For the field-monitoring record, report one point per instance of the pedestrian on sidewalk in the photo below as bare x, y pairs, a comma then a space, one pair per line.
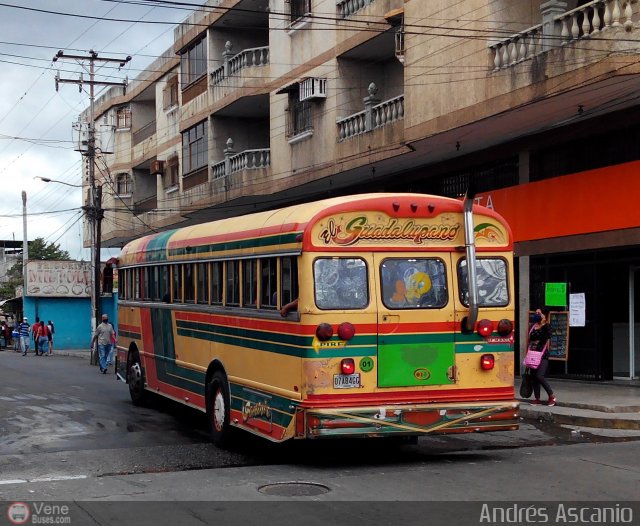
43, 339
34, 334
52, 329
24, 329
104, 334
539, 340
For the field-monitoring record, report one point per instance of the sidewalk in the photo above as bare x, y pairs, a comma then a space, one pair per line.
589, 405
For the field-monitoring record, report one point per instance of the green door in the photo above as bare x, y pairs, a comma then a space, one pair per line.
415, 340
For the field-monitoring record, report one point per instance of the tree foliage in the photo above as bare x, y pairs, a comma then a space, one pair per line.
38, 249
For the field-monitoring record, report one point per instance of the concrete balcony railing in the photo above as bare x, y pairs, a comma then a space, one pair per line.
145, 205
559, 28
375, 115
237, 162
346, 8
228, 77
143, 133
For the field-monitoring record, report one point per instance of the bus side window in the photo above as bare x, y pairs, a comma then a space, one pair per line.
288, 280
216, 283
203, 283
189, 286
176, 296
233, 283
250, 282
269, 283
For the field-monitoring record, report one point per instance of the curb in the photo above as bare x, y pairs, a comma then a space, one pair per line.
582, 417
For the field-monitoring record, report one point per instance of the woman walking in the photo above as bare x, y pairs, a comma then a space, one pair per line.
539, 339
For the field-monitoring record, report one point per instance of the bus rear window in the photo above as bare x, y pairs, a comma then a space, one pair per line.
340, 283
409, 283
493, 290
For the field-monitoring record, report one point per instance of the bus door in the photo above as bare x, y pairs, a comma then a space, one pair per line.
415, 320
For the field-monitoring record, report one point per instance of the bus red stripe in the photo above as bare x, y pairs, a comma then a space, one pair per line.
235, 236
409, 397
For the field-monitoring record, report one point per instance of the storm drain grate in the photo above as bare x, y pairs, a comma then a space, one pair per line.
294, 489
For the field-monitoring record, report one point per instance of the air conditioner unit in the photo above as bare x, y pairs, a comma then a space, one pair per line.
313, 88
157, 167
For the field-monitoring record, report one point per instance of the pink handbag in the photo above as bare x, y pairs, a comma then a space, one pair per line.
533, 358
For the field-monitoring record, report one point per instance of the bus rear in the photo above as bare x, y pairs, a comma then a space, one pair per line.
401, 345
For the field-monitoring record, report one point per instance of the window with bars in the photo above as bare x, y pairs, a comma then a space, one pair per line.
195, 148
123, 118
170, 93
193, 62
299, 9
123, 184
171, 172
299, 116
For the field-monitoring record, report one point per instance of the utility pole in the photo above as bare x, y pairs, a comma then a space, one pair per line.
93, 210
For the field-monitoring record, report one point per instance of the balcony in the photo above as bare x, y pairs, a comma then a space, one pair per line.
143, 133
598, 20
375, 115
238, 171
238, 70
346, 8
145, 205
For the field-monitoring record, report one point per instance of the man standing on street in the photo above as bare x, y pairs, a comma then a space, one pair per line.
104, 333
23, 330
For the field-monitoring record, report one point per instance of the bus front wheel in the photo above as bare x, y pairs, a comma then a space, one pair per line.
136, 383
218, 409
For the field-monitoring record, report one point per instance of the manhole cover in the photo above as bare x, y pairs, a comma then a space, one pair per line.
294, 489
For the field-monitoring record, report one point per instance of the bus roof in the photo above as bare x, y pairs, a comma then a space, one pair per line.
355, 222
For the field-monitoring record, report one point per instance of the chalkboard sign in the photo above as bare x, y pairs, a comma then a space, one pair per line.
559, 345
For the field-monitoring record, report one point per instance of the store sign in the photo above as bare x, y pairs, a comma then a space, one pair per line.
555, 294
59, 279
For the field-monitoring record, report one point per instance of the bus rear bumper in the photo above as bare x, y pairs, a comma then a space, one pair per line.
411, 419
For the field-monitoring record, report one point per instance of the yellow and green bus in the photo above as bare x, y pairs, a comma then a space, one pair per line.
388, 330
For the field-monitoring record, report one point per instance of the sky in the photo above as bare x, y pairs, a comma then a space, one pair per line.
36, 121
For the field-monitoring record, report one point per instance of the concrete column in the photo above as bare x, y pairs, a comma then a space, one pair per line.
523, 307
369, 103
551, 33
226, 56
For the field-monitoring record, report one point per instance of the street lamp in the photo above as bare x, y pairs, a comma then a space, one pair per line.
47, 180
94, 213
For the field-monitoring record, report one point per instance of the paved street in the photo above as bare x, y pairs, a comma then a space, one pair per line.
70, 433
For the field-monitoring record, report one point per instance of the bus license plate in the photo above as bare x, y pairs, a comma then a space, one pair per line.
346, 381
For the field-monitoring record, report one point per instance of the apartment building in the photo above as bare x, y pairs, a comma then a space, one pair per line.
261, 103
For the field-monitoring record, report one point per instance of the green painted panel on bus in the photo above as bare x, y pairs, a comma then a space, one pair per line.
413, 364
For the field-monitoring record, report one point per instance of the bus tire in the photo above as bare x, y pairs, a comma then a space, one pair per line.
135, 379
218, 409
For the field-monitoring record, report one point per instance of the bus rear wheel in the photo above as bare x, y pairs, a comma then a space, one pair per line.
136, 384
218, 409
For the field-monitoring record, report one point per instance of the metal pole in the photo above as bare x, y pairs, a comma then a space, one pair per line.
25, 247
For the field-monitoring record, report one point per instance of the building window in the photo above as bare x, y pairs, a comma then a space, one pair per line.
194, 148
193, 62
300, 9
170, 93
299, 117
123, 119
171, 173
123, 184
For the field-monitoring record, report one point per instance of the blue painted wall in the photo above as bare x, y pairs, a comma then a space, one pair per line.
71, 317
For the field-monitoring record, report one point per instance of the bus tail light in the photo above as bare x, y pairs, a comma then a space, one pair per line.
485, 328
348, 366
505, 327
487, 361
324, 332
346, 331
